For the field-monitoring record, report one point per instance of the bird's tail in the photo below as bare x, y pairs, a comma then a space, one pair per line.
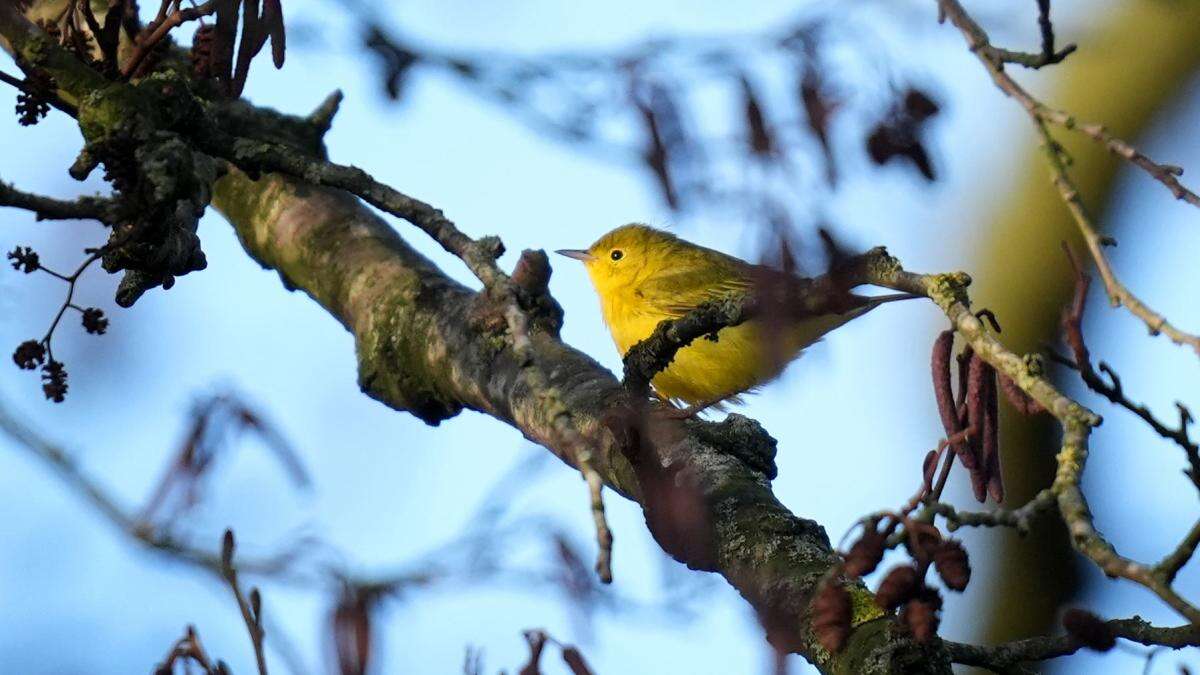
808, 331
866, 303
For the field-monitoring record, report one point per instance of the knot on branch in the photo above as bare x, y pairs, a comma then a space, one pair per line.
531, 279
162, 185
743, 438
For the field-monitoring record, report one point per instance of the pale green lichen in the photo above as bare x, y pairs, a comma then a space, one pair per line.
863, 607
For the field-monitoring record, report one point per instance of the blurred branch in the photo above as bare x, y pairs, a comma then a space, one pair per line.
537, 640
1043, 115
640, 103
69, 470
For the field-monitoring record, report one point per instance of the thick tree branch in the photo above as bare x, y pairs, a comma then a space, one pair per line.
423, 348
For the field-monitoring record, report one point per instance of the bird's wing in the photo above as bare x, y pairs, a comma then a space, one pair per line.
676, 293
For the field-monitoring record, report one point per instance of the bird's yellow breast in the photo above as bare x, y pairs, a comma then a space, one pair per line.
741, 358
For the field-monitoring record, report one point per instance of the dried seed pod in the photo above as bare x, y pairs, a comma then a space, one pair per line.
977, 373
29, 354
865, 554
921, 618
1024, 403
762, 143
351, 623
928, 467
575, 662
1090, 630
831, 616
991, 438
900, 584
940, 366
952, 564
54, 381
94, 321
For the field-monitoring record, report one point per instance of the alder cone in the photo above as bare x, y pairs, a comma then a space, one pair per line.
952, 564
831, 616
1090, 630
897, 587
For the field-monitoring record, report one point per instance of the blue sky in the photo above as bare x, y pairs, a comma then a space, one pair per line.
78, 597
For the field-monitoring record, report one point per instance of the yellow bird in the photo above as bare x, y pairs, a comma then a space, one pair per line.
644, 276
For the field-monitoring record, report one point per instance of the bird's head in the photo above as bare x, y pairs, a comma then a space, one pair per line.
625, 255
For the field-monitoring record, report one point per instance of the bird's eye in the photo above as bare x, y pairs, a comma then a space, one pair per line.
617, 254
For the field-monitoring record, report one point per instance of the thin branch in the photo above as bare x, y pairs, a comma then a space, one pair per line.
1004, 657
1018, 519
185, 649
162, 27
1072, 324
1048, 56
251, 608
1174, 561
948, 291
978, 41
1042, 115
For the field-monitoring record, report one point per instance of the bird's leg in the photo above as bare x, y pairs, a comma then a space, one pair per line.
693, 409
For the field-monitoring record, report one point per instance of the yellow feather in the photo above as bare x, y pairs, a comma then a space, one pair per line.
643, 276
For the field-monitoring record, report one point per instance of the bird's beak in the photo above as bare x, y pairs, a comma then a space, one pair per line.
575, 253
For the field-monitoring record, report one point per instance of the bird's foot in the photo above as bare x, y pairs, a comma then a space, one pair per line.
692, 410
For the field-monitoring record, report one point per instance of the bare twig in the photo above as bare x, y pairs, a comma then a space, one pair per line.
977, 40
188, 648
1072, 324
251, 608
1003, 658
1018, 519
48, 208
1174, 561
948, 291
163, 25
1048, 56
1042, 115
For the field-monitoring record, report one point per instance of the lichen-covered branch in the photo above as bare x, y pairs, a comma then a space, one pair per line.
1005, 657
1076, 422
